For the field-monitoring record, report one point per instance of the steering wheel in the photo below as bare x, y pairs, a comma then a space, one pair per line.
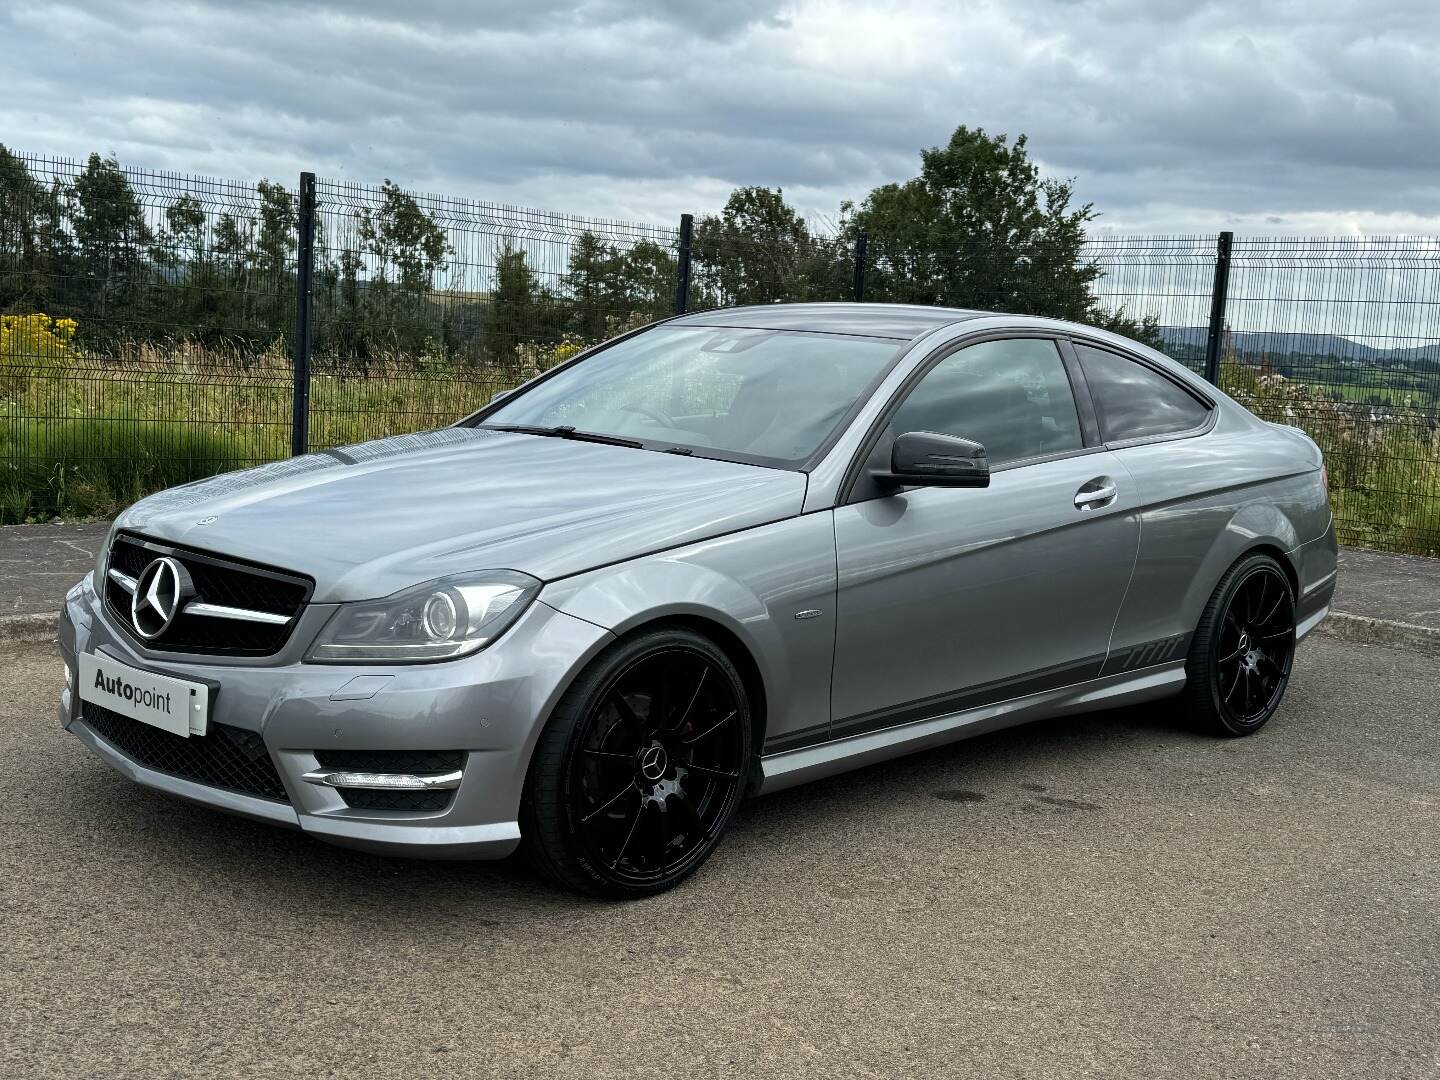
653, 413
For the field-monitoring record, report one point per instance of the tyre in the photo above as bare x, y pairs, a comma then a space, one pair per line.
640, 768
1240, 658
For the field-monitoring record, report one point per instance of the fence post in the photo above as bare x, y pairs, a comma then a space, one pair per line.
682, 271
862, 242
1218, 295
304, 289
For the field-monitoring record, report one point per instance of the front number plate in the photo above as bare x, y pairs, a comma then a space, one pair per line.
175, 705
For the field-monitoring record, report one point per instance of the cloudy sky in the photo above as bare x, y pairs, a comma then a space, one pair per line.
1264, 116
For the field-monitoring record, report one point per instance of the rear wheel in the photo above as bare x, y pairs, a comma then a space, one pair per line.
1240, 657
640, 769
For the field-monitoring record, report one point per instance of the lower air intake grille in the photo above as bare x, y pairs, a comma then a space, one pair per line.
225, 757
366, 799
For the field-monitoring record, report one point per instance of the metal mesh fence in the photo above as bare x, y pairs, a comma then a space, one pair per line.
426, 305
143, 335
1166, 278
149, 322
1339, 336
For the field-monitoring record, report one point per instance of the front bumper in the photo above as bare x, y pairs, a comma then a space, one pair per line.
491, 706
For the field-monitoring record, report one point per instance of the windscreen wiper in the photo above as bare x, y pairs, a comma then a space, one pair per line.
566, 431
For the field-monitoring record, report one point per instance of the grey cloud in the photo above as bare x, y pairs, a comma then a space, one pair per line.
710, 19
1170, 114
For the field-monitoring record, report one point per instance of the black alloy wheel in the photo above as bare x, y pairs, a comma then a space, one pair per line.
1241, 656
641, 768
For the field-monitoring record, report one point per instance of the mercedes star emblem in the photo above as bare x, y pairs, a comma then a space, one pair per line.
160, 593
653, 763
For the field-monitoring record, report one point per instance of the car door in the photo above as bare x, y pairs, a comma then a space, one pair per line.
950, 598
1153, 424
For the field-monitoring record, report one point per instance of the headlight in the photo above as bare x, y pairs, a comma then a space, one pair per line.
439, 620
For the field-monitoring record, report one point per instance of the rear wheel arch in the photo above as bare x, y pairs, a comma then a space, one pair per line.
1281, 556
1270, 639
1254, 529
1204, 585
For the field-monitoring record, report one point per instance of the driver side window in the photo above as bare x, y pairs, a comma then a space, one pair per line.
1012, 396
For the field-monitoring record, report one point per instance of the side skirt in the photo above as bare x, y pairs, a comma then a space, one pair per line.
779, 771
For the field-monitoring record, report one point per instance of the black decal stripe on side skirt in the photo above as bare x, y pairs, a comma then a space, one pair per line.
1146, 654
972, 697
794, 740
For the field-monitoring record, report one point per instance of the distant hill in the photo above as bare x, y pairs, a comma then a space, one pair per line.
1190, 340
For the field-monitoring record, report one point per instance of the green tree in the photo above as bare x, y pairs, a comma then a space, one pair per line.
1145, 329
111, 238
185, 227
645, 281
407, 249
979, 227
276, 237
607, 286
592, 286
758, 250
411, 248
198, 306
233, 238
515, 306
31, 237
339, 316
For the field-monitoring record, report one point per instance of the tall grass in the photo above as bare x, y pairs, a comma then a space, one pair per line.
1383, 461
82, 436
93, 466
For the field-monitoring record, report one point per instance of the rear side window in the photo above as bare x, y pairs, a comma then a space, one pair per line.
1134, 402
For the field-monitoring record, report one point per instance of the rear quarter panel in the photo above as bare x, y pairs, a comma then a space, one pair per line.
1204, 502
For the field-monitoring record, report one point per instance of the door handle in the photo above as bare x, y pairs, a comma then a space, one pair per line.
1097, 492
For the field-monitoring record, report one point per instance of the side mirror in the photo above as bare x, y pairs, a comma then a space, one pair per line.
930, 459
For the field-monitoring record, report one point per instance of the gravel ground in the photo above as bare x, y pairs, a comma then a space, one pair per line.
1109, 896
38, 563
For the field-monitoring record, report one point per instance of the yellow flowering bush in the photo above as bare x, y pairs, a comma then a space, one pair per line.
35, 340
566, 349
533, 357
29, 346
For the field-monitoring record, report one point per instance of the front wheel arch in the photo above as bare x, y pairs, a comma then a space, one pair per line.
734, 648
739, 654
552, 838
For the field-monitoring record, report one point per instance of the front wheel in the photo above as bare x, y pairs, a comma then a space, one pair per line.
1240, 657
640, 768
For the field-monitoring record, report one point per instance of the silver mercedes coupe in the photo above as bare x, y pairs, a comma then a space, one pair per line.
722, 555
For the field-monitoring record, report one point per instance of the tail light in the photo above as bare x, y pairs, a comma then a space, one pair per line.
1325, 480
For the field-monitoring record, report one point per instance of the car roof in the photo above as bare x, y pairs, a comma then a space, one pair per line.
902, 322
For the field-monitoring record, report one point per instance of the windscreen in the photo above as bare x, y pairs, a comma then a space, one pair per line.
770, 395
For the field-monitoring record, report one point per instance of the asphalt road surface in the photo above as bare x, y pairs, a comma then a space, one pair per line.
1109, 896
